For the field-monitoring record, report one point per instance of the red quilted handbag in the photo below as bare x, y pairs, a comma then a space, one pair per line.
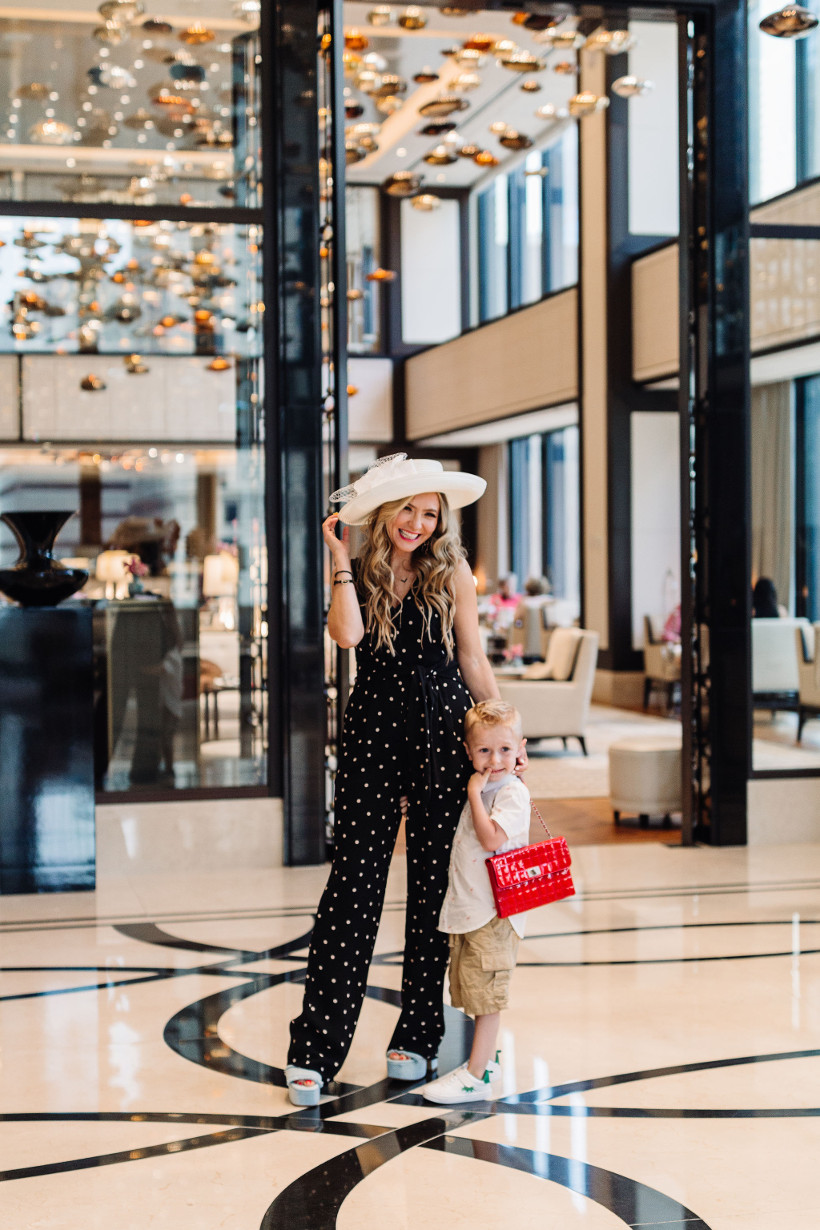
532, 875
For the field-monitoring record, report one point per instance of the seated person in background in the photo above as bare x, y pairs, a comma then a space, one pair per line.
764, 600
529, 617
504, 601
671, 629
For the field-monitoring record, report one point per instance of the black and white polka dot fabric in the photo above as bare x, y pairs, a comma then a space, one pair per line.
403, 732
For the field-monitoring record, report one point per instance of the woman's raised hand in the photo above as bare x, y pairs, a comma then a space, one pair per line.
337, 548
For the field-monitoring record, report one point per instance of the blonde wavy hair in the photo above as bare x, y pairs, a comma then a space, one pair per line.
435, 562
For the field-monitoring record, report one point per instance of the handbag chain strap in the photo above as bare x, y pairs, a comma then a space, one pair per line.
543, 821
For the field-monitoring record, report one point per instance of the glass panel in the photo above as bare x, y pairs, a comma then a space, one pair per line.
562, 211
494, 249
532, 228
141, 112
772, 111
785, 289
808, 460
363, 245
808, 70
180, 639
563, 518
107, 286
136, 387
654, 207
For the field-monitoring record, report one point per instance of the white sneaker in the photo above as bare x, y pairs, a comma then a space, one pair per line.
457, 1087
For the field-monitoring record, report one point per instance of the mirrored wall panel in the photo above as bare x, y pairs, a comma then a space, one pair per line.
112, 102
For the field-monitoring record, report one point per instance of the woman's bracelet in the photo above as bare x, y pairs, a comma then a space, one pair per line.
338, 572
343, 582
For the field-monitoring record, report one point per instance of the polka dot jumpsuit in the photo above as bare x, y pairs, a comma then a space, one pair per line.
403, 731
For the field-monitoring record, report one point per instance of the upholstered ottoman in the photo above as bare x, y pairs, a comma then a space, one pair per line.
645, 777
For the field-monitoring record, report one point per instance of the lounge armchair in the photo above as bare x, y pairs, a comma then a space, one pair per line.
553, 696
775, 679
806, 642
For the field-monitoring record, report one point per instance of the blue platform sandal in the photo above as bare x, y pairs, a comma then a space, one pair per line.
408, 1066
304, 1085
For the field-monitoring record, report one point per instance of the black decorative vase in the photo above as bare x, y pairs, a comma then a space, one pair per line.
38, 579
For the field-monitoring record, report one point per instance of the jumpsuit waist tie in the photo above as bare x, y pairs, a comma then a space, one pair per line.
430, 678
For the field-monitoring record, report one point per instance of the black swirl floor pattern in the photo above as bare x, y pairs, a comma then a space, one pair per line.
556, 1131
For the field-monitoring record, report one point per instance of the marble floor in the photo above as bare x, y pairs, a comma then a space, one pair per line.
661, 1060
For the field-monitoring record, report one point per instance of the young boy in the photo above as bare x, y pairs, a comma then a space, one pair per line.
483, 947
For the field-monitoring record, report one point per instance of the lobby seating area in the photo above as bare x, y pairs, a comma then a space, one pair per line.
553, 696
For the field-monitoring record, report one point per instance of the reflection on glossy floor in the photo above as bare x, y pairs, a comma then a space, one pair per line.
661, 1062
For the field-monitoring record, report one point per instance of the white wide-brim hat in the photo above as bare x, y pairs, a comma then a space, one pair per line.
399, 477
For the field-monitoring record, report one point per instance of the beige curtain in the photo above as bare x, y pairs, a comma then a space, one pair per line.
772, 487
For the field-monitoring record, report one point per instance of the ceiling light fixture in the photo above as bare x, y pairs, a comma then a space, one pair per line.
381, 15
197, 35
612, 42
480, 42
443, 106
389, 84
465, 82
425, 76
402, 183
121, 10
521, 62
468, 57
631, 87
51, 132
412, 18
549, 111
537, 21
389, 105
561, 40
111, 33
356, 41
426, 202
790, 22
437, 128
587, 103
513, 139
440, 156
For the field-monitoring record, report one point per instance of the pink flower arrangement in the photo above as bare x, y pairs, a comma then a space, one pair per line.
513, 652
136, 568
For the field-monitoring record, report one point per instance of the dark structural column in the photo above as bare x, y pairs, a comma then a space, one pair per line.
715, 445
294, 423
46, 750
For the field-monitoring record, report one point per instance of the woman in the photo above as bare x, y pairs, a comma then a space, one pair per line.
764, 600
408, 604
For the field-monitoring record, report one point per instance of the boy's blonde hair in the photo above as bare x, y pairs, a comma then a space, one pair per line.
492, 713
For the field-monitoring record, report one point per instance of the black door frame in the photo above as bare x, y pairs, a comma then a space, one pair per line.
713, 404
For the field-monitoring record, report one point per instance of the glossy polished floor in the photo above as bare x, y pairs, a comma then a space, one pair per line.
661, 1062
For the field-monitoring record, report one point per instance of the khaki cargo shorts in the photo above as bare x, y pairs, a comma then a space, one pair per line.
481, 963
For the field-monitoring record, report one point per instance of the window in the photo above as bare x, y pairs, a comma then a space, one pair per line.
807, 459
528, 229
562, 503
545, 511
772, 110
132, 373
494, 250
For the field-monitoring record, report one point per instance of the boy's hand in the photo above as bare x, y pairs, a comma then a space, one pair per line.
478, 780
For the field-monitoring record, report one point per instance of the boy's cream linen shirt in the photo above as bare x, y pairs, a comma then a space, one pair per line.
469, 902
